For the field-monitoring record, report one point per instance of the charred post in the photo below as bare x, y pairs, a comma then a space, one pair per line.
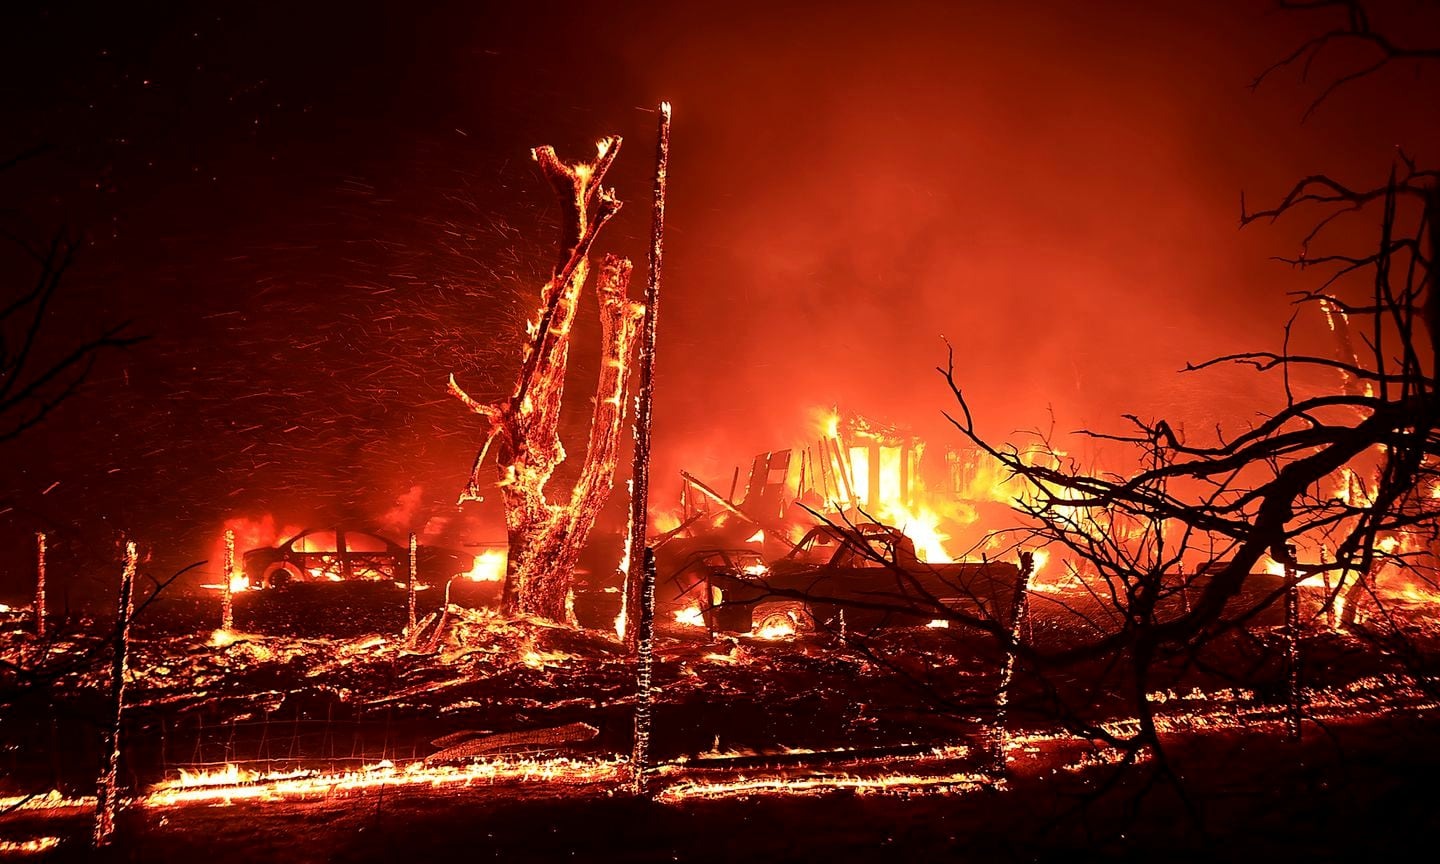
1020, 604
40, 584
410, 591
1293, 706
106, 792
644, 673
640, 487
227, 598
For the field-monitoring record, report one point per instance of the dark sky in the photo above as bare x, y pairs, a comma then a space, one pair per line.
316, 211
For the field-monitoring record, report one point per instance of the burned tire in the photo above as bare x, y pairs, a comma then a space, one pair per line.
281, 575
781, 618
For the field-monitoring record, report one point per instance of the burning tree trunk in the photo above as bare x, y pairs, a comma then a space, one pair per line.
546, 538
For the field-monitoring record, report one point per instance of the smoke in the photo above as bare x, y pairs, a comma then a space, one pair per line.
845, 191
404, 517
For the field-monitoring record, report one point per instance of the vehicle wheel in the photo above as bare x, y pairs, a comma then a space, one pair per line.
281, 575
781, 618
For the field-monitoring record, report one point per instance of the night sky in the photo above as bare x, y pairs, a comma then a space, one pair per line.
315, 212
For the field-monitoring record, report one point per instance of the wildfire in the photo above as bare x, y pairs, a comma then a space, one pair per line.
489, 566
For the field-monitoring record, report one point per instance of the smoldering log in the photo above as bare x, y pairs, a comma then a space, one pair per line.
463, 745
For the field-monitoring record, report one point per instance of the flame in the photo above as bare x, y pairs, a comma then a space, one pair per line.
827, 422
776, 629
28, 847
939, 624
921, 525
223, 638
233, 783
665, 521
53, 800
489, 566
757, 537
690, 616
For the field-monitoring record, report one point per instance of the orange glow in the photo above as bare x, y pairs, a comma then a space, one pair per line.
489, 566
664, 521
690, 616
776, 628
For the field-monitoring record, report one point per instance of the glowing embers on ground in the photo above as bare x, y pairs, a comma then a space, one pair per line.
53, 800
34, 846
233, 783
938, 769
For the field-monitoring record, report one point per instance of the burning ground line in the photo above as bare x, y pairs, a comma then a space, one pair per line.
813, 781
220, 788
889, 784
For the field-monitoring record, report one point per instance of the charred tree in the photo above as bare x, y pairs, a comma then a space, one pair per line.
546, 536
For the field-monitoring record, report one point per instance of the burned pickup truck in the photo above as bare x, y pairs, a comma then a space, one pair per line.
862, 576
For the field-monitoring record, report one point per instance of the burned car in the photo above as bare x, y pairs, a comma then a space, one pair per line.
868, 575
716, 587
865, 575
341, 555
